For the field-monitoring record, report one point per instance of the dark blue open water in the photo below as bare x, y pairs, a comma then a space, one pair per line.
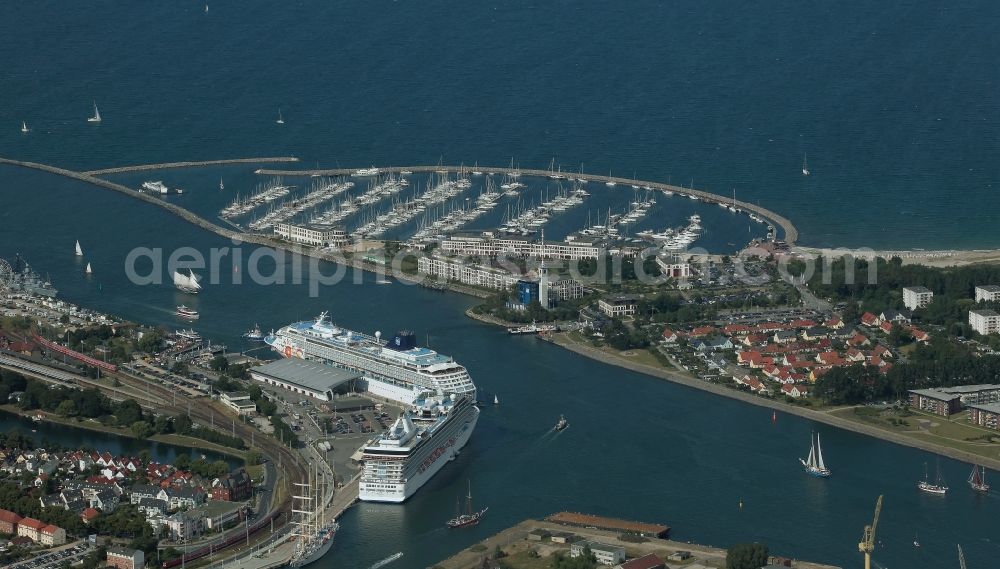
895, 103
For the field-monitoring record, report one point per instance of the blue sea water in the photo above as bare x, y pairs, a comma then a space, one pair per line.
894, 102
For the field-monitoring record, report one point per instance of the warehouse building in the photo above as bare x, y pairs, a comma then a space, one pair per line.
306, 378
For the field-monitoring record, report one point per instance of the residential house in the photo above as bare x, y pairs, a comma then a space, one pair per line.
650, 561
124, 558
605, 554
233, 487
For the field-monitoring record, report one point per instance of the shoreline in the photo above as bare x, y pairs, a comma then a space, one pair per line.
93, 426
805, 413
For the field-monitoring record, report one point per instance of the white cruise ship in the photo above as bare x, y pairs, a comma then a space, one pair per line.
422, 440
398, 370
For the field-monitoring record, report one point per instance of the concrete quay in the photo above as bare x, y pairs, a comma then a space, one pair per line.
191, 164
791, 234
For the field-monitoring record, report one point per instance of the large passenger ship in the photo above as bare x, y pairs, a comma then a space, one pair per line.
422, 440
398, 369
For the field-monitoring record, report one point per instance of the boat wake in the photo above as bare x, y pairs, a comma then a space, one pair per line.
387, 560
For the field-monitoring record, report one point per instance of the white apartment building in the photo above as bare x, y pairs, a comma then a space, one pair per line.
987, 293
915, 297
984, 321
316, 234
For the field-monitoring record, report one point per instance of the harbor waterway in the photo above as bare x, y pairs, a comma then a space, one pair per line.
637, 447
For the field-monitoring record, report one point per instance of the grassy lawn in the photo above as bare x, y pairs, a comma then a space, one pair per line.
518, 558
953, 432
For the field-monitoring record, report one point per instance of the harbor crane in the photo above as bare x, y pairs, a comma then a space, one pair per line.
867, 544
961, 557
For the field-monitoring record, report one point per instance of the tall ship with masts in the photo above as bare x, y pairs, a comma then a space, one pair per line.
937, 487
814, 464
313, 532
398, 369
468, 518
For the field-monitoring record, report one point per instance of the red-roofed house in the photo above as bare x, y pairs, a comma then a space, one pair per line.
834, 323
855, 355
702, 331
881, 351
795, 391
669, 336
756, 339
8, 522
920, 336
30, 528
736, 329
89, 515
830, 358
52, 535
885, 327
869, 319
770, 327
858, 340
803, 324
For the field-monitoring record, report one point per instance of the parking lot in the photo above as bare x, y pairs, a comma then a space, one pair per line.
53, 559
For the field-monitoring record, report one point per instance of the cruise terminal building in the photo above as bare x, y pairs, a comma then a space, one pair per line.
306, 378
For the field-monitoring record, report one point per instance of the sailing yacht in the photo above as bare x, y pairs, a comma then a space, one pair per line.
88, 270
977, 480
496, 399
24, 127
186, 283
79, 250
97, 114
805, 166
814, 463
469, 518
280, 119
937, 488
221, 185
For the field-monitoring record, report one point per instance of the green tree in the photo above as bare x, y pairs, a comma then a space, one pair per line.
183, 461
67, 408
141, 430
219, 363
746, 556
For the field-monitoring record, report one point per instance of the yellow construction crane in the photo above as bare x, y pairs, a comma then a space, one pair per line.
867, 545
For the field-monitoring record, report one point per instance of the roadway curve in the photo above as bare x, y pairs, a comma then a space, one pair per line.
191, 164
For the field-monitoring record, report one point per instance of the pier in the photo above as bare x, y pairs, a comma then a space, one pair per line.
791, 234
190, 164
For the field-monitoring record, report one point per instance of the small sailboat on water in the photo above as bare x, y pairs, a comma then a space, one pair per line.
88, 270
977, 480
937, 487
814, 464
97, 114
24, 127
79, 250
221, 185
496, 399
280, 120
805, 166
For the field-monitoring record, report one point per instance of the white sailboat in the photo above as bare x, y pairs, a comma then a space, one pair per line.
280, 119
88, 270
496, 399
97, 114
221, 185
79, 250
814, 464
24, 127
187, 283
805, 166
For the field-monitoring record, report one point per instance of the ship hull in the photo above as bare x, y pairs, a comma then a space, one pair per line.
314, 556
370, 493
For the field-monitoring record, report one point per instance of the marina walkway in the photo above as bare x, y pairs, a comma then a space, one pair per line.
791, 234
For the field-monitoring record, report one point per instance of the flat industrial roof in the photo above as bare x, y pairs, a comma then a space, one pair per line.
305, 373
